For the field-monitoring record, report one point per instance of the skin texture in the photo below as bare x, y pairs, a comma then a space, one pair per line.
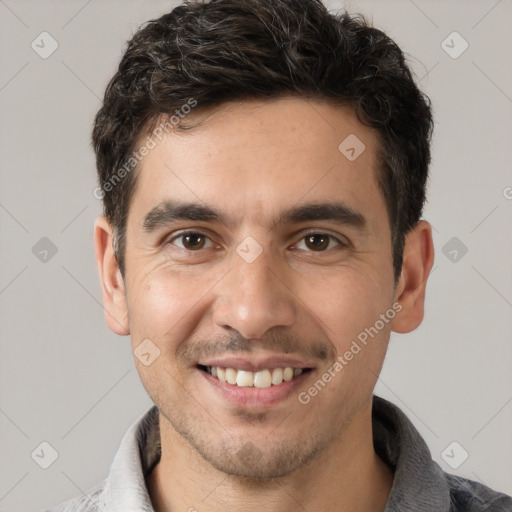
253, 160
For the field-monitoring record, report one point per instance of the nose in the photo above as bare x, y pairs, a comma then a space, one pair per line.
254, 298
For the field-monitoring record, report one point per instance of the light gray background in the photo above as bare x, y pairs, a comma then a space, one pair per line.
65, 379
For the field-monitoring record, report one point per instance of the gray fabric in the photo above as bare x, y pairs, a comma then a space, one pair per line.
419, 485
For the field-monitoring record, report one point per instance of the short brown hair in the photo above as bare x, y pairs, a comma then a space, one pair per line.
228, 50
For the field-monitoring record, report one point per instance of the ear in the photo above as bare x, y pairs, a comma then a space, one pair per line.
410, 291
112, 284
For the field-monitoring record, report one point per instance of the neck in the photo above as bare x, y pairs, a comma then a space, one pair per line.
349, 474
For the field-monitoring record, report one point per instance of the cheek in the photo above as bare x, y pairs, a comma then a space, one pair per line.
347, 303
161, 306
350, 311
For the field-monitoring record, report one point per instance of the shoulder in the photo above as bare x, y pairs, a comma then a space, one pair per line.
469, 496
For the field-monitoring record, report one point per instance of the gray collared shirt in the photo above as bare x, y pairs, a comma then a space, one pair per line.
419, 484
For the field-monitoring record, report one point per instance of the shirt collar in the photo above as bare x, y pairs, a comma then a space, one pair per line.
419, 483
139, 452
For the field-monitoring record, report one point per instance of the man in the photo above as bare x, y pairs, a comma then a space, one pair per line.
262, 165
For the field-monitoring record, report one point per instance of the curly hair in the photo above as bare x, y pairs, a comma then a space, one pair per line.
225, 50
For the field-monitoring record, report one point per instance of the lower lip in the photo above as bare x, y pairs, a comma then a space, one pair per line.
255, 397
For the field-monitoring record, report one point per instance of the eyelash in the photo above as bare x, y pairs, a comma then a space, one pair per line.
340, 243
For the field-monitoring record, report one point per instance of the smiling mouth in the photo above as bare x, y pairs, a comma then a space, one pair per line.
261, 379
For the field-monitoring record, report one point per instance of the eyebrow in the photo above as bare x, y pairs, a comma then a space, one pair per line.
171, 211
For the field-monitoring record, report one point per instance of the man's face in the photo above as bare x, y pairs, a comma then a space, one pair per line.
259, 289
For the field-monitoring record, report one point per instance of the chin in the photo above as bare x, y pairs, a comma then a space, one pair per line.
260, 461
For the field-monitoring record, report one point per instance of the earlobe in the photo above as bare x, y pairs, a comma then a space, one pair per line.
112, 283
410, 291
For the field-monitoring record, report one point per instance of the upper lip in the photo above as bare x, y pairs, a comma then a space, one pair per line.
256, 363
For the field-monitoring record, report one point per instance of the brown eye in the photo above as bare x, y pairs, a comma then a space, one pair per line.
194, 241
319, 242
191, 241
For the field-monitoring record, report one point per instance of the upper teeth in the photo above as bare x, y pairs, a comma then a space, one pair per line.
259, 379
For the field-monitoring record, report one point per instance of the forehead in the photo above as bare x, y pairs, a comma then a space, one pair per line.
253, 158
